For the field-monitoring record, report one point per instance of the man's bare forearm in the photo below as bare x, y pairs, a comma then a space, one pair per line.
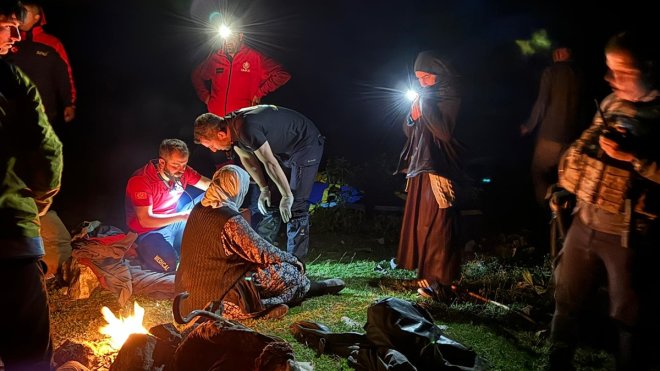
276, 173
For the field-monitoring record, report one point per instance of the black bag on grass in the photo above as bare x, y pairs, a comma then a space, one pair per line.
399, 336
410, 329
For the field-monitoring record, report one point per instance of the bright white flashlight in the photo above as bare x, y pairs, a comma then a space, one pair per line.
224, 31
411, 95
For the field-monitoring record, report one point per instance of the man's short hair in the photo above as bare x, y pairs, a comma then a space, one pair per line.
168, 146
12, 7
646, 58
207, 125
34, 7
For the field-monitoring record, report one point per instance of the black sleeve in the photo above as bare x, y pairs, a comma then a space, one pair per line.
62, 82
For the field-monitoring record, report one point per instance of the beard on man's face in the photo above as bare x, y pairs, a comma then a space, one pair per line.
173, 176
232, 44
230, 48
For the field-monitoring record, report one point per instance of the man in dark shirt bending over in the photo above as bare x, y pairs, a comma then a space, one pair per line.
276, 137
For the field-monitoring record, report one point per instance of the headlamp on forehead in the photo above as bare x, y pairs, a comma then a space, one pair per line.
224, 31
225, 26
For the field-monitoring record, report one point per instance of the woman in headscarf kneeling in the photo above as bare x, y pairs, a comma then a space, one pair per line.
223, 260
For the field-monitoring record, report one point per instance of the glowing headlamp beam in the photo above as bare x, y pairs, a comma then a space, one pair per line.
224, 31
411, 95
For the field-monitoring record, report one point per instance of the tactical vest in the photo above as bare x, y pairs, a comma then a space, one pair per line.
595, 178
594, 181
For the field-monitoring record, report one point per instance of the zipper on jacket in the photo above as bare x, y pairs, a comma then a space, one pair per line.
231, 69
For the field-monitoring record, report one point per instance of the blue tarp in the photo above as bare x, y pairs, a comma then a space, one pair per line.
329, 195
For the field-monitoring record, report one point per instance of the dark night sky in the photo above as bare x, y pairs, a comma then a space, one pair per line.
132, 62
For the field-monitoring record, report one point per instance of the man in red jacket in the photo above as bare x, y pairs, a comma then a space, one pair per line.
234, 77
239, 77
32, 31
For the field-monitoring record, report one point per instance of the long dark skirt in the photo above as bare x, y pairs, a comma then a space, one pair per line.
428, 235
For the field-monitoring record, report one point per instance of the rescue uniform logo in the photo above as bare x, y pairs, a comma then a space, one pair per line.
162, 263
140, 195
245, 67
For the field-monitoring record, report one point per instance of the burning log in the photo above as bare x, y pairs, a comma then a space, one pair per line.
120, 328
144, 352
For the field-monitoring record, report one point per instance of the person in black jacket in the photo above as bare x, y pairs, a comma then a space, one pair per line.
49, 72
32, 29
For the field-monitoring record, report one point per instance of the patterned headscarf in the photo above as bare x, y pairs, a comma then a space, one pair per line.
228, 188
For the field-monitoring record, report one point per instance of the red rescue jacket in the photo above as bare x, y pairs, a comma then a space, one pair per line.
236, 81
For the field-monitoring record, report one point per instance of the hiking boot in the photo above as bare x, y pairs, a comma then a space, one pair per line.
434, 292
332, 286
325, 287
275, 312
426, 292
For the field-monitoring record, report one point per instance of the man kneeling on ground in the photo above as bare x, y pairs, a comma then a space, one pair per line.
222, 257
153, 207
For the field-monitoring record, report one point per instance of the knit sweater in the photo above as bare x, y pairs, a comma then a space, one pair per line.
219, 247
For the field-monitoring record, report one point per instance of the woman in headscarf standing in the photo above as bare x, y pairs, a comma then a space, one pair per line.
431, 161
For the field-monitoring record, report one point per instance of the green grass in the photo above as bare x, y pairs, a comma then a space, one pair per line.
503, 339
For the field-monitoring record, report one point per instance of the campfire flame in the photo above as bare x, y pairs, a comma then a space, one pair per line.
118, 329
